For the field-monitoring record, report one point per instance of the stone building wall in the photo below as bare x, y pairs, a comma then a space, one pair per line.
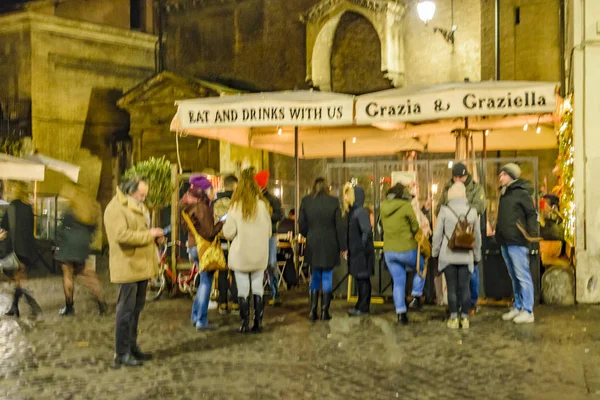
529, 49
74, 72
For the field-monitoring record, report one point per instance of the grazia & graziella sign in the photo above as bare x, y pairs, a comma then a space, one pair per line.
458, 100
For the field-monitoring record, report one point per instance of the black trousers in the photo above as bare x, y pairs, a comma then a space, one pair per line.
364, 294
225, 286
458, 278
132, 297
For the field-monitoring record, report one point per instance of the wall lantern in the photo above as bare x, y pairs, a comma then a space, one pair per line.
426, 10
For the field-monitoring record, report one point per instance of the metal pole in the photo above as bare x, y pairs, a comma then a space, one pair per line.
297, 184
497, 38
561, 38
296, 200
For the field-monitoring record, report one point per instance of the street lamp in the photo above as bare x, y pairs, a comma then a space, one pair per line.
426, 10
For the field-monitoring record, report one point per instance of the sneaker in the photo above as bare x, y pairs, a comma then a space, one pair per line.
464, 323
223, 309
275, 302
524, 317
452, 323
512, 314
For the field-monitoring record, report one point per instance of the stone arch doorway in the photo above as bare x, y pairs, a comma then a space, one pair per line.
356, 57
322, 23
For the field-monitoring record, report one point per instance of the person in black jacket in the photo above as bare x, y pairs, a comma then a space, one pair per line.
517, 207
17, 232
361, 253
321, 224
262, 178
74, 240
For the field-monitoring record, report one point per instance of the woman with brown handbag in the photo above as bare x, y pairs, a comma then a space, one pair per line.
196, 203
248, 227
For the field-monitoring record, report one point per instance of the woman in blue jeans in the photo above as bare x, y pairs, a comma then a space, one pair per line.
321, 224
197, 204
400, 225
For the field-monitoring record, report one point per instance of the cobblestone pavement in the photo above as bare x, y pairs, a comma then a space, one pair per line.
369, 358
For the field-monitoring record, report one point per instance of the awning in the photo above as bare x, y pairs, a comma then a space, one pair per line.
69, 170
456, 100
20, 169
291, 108
33, 168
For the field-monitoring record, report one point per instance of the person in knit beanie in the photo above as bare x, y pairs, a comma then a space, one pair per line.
262, 179
516, 212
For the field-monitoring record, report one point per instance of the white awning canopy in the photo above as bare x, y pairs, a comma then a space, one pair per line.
294, 108
33, 168
456, 100
265, 120
20, 169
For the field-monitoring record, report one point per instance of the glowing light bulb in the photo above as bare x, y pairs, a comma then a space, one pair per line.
526, 126
538, 130
353, 140
487, 132
279, 131
450, 164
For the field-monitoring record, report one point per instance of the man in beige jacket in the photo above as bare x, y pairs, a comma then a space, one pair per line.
133, 261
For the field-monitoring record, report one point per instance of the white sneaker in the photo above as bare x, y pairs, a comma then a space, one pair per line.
524, 317
512, 314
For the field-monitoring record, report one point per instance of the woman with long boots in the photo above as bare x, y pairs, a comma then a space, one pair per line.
17, 235
321, 224
248, 227
74, 240
361, 253
400, 225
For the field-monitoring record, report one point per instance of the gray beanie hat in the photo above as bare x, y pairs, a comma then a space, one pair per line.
512, 170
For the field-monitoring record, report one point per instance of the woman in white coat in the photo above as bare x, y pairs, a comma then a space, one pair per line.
248, 227
458, 264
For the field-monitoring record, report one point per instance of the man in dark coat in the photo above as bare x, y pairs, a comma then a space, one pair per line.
517, 208
321, 224
262, 179
361, 253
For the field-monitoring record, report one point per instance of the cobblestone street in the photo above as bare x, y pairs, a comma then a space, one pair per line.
370, 358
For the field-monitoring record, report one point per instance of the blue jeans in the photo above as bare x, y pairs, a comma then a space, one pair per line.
397, 264
517, 263
474, 286
320, 276
199, 315
272, 267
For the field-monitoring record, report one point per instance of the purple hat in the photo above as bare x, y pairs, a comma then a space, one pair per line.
200, 181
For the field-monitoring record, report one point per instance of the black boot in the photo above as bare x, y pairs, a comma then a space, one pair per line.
140, 355
403, 319
416, 303
35, 307
314, 305
127, 360
325, 302
259, 307
67, 310
13, 311
244, 315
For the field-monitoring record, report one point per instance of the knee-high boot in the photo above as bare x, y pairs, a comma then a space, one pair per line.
325, 303
244, 314
258, 313
314, 305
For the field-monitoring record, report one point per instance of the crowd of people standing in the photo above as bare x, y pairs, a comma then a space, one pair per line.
243, 221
